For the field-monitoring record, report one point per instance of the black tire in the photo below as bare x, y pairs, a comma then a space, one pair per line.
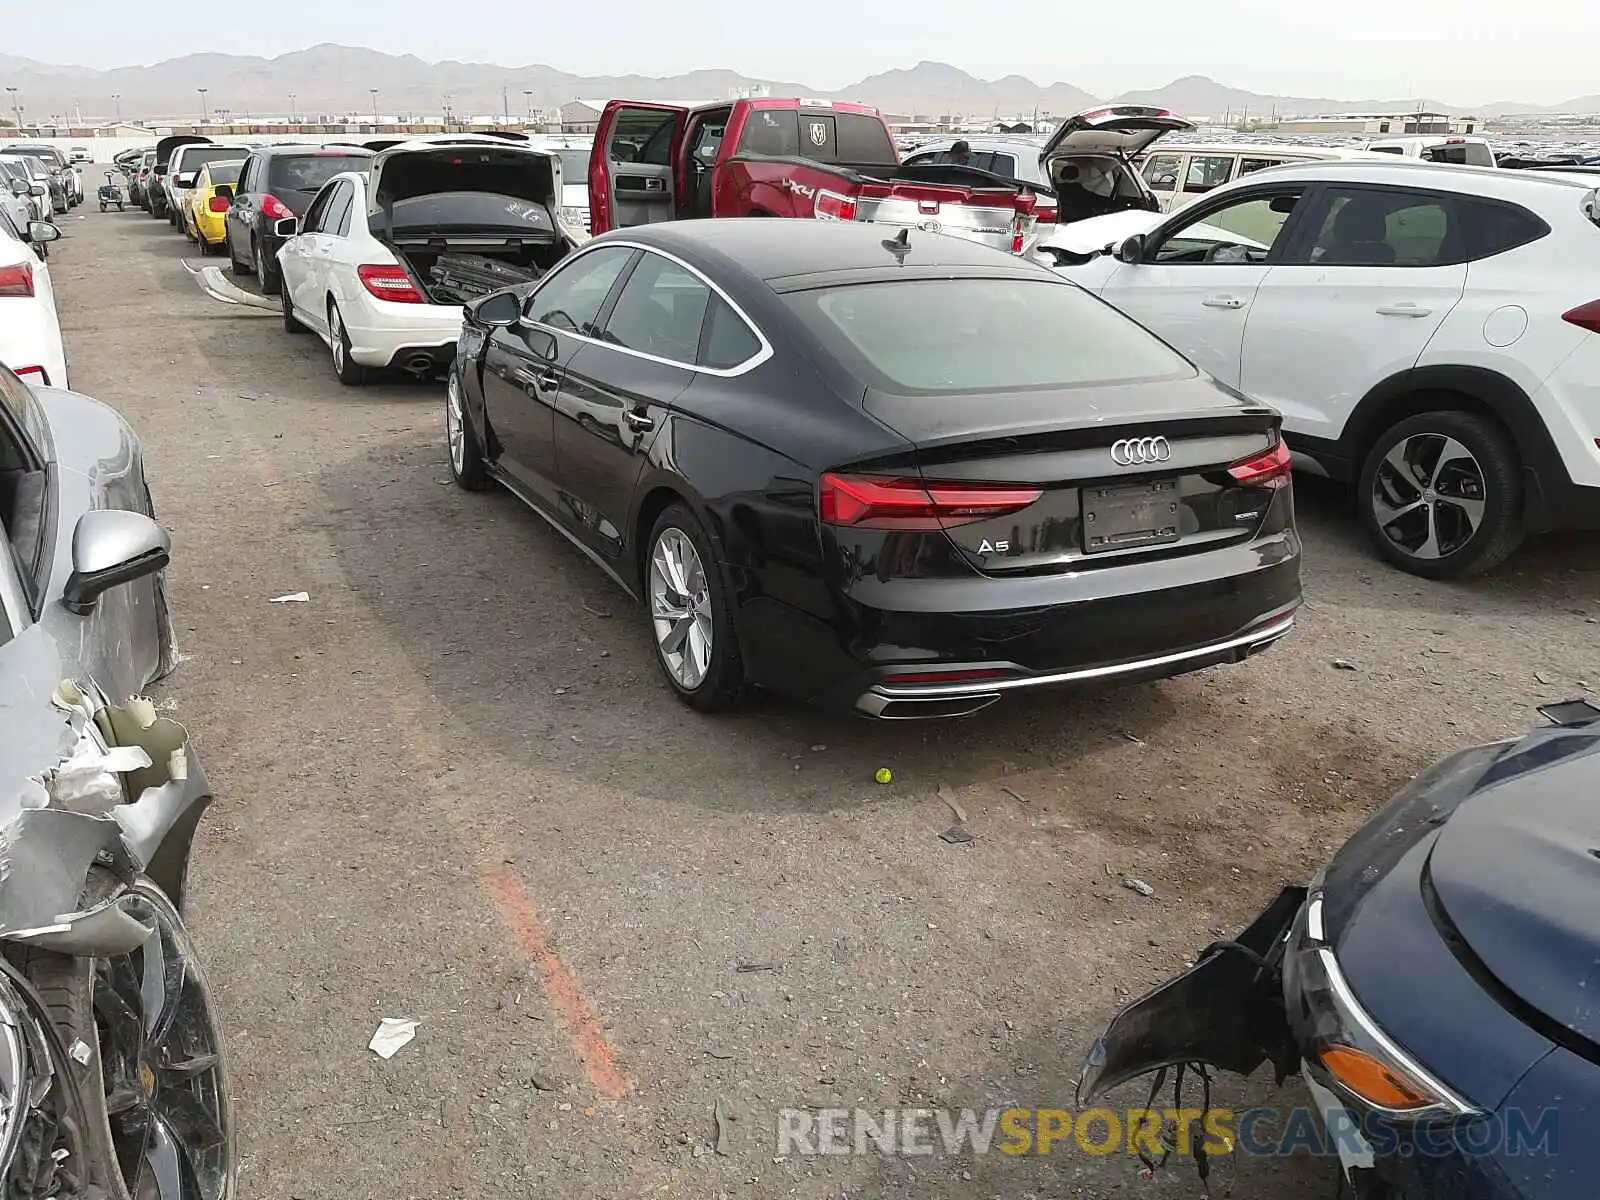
1435, 538
349, 372
291, 323
723, 681
472, 472
67, 987
266, 274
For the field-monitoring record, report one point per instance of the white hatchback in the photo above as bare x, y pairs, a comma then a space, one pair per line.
1430, 335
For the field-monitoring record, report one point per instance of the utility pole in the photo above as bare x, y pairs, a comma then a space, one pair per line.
374, 92
116, 100
15, 107
505, 103
204, 115
528, 93
294, 117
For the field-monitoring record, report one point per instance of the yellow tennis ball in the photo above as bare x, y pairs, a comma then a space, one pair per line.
884, 775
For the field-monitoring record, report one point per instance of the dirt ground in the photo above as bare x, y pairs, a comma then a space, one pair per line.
452, 788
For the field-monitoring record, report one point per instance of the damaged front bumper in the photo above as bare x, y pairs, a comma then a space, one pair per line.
127, 799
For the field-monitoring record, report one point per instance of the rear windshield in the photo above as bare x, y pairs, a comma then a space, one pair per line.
820, 134
980, 335
225, 172
1464, 154
308, 172
195, 156
574, 166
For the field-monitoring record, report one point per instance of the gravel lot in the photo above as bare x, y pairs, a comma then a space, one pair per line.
451, 787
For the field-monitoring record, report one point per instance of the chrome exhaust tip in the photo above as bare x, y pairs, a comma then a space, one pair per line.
420, 364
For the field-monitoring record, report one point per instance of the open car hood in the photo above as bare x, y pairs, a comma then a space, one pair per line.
1126, 129
422, 168
1516, 873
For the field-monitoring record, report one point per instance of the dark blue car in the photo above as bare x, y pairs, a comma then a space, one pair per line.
1437, 984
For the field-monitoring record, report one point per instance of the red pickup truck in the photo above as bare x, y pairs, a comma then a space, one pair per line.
791, 158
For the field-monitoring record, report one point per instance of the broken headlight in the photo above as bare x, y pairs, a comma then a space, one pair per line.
1343, 1047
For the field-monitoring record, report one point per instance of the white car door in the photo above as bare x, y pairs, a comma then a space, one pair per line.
1196, 279
1367, 283
344, 230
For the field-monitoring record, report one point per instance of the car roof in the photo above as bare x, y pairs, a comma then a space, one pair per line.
979, 141
766, 250
283, 149
1317, 153
1412, 172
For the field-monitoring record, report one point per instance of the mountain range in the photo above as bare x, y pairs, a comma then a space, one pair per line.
337, 80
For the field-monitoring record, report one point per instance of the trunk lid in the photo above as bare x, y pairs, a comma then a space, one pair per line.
409, 170
167, 145
1125, 129
1516, 871
1119, 470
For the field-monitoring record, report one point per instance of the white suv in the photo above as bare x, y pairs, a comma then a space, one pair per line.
1431, 335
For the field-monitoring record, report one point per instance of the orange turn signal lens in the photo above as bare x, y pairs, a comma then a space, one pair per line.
1373, 1079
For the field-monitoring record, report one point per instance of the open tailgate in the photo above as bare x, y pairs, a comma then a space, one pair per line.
999, 214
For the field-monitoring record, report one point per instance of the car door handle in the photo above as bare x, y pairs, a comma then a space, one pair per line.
1403, 309
1222, 302
548, 381
638, 421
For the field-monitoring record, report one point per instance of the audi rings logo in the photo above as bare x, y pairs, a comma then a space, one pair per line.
1133, 452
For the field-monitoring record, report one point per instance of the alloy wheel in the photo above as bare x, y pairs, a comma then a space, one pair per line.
166, 1090
1428, 495
454, 426
680, 608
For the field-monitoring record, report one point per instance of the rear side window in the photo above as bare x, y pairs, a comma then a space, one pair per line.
773, 132
726, 341
1491, 228
935, 336
308, 172
1247, 165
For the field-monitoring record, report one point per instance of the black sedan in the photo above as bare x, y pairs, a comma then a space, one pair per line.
903, 476
1436, 983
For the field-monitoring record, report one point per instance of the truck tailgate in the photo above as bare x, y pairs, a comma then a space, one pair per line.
999, 217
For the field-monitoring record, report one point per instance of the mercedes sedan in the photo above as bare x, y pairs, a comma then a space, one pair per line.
900, 476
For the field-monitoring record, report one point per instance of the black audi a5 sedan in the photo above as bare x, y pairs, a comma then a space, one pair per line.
904, 476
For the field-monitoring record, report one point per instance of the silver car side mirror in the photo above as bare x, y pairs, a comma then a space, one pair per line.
37, 189
40, 232
111, 547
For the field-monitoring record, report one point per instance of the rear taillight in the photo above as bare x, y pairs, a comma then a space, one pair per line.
1270, 470
42, 376
1585, 316
274, 209
388, 282
217, 204
883, 502
1046, 213
831, 206
16, 280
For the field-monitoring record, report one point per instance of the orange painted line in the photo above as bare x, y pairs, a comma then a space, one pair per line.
561, 988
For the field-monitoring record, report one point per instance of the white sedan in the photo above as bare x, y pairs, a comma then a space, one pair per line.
386, 257
30, 334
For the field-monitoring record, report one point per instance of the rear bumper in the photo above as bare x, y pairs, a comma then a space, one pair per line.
911, 701
384, 334
1136, 621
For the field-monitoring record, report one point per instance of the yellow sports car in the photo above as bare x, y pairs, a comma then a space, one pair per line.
209, 201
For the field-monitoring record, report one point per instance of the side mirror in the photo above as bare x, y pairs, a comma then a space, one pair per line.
499, 310
36, 189
112, 547
286, 227
40, 232
1131, 250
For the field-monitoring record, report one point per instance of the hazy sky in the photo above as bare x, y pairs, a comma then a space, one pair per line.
1542, 51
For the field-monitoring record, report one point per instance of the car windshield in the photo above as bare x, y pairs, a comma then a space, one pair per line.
225, 172
982, 335
308, 172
